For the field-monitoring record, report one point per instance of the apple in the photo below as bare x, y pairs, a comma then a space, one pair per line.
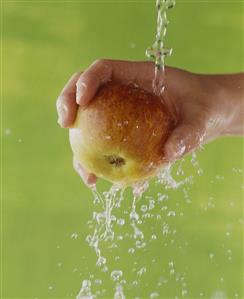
121, 134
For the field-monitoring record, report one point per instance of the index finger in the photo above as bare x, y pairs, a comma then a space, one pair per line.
101, 71
66, 104
90, 80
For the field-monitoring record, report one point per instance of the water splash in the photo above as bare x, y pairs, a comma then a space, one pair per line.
119, 294
103, 220
164, 177
116, 275
85, 291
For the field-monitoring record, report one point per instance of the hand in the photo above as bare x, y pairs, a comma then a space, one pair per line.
200, 104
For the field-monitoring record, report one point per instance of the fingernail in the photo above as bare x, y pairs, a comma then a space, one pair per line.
62, 113
91, 180
81, 88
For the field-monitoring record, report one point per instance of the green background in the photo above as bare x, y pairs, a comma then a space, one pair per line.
45, 202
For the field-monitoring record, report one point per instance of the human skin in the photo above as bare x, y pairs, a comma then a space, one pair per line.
204, 107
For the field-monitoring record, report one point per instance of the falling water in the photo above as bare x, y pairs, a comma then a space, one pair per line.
158, 51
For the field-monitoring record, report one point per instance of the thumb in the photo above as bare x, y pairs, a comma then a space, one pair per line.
185, 138
88, 178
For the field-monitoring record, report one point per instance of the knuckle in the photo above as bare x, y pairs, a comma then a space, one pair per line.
78, 73
100, 62
66, 95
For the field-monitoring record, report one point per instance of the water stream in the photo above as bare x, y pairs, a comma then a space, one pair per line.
158, 51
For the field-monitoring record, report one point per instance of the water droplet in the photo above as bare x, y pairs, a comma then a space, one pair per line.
131, 250
85, 291
86, 284
141, 271
151, 204
140, 188
138, 234
132, 45
200, 171
162, 197
120, 221
98, 281
166, 229
171, 268
119, 294
184, 292
105, 269
140, 244
101, 261
7, 131
134, 216
164, 208
116, 275
74, 236
143, 208
218, 294
219, 177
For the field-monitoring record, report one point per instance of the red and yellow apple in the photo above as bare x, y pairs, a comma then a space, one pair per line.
121, 134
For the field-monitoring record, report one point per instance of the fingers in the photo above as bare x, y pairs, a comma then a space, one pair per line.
185, 138
101, 71
88, 178
90, 80
66, 104
82, 87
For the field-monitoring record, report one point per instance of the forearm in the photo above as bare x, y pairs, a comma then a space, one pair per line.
233, 87
227, 95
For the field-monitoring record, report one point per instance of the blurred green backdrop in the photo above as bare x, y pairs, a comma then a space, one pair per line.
44, 201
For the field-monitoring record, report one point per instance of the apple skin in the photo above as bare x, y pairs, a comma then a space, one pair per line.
121, 134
